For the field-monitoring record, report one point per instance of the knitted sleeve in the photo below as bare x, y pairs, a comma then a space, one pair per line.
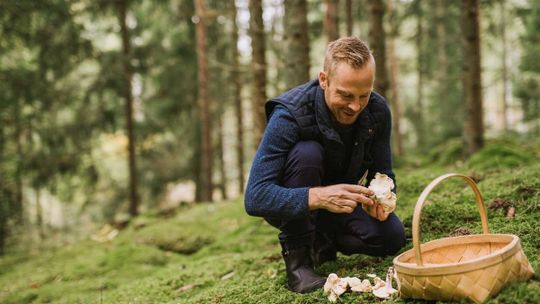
264, 195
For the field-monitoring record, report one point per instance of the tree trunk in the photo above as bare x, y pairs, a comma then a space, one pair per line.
204, 104
442, 63
223, 176
506, 92
394, 87
378, 44
297, 43
237, 95
39, 215
17, 211
4, 201
472, 83
128, 96
349, 16
331, 19
258, 44
419, 111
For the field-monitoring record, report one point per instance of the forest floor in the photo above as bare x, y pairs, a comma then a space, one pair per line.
215, 253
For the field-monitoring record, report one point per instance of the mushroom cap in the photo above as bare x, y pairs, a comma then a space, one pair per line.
382, 186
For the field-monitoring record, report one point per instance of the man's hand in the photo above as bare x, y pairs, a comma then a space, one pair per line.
376, 211
341, 198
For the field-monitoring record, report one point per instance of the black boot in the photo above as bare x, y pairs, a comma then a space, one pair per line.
324, 249
300, 275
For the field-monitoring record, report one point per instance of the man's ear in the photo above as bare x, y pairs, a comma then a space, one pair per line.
323, 80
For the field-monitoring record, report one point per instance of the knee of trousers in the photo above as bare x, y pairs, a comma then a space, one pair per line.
307, 153
381, 238
392, 236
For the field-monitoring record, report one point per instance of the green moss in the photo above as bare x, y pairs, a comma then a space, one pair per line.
500, 156
447, 153
235, 258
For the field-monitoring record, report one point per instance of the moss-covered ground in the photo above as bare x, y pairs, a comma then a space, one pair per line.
215, 253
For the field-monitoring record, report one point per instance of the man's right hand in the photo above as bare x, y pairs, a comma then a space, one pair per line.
340, 198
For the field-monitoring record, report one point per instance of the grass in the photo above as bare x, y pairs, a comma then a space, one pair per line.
215, 253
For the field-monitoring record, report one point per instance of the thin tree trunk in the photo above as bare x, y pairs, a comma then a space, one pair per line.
331, 19
258, 45
505, 78
394, 72
4, 201
237, 95
297, 43
18, 199
442, 62
128, 96
204, 104
419, 111
378, 44
472, 83
39, 215
349, 16
223, 176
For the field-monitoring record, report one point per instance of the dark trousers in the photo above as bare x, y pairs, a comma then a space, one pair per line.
356, 232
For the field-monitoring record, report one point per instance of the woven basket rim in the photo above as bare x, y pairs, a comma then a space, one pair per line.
512, 246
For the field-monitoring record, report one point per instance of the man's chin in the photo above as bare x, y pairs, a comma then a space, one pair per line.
347, 120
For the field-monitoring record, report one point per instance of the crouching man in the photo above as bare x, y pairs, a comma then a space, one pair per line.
321, 138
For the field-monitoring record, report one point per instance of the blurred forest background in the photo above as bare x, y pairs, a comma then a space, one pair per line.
110, 108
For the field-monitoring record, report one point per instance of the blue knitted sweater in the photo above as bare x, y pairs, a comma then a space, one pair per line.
265, 196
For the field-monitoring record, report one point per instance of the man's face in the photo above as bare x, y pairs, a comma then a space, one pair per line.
347, 90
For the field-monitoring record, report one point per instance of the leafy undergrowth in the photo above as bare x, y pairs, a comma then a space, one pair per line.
215, 253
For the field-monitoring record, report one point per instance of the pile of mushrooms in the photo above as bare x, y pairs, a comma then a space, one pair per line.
382, 187
336, 286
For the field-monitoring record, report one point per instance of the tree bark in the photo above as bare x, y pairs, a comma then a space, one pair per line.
349, 16
4, 201
223, 175
442, 61
505, 78
297, 43
39, 215
419, 111
17, 212
472, 83
128, 96
258, 46
237, 95
378, 44
204, 103
331, 20
394, 87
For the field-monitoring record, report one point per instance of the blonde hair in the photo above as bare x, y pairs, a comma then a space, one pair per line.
351, 50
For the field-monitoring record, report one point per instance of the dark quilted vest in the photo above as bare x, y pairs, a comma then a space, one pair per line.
307, 104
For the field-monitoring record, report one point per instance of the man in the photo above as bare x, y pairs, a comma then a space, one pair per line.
321, 138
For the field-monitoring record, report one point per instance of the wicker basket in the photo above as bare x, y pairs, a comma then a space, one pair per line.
471, 267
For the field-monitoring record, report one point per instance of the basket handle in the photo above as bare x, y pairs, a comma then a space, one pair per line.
422, 200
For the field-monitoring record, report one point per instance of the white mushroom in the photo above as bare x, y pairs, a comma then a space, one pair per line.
382, 186
382, 289
334, 287
363, 286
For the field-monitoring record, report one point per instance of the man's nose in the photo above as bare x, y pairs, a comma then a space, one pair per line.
355, 106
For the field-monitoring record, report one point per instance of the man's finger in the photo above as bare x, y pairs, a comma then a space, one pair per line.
366, 201
358, 189
381, 214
